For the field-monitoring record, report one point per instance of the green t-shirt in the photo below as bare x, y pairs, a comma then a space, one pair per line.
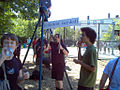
88, 78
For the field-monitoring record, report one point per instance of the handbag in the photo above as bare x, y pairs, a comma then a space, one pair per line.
111, 75
4, 84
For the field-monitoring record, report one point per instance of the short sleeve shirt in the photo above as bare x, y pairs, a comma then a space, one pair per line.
12, 71
115, 83
57, 58
29, 40
88, 78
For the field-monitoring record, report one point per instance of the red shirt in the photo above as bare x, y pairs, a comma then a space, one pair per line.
34, 42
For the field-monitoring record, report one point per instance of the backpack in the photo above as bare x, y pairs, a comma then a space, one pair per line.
35, 75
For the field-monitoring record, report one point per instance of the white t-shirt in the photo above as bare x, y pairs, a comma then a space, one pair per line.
115, 83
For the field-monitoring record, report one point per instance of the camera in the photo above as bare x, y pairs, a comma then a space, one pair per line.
45, 3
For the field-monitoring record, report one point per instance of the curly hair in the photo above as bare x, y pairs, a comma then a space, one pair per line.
9, 36
90, 33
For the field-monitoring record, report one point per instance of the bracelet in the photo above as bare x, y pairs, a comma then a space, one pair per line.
62, 49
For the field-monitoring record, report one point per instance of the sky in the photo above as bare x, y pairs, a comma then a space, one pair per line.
96, 9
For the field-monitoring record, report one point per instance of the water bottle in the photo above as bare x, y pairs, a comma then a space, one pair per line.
9, 52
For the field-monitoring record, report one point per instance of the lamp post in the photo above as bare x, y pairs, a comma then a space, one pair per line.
74, 35
98, 39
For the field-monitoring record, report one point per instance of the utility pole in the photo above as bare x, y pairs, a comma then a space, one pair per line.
113, 37
98, 39
74, 35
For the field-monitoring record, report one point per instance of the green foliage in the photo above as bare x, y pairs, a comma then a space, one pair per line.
68, 32
71, 35
20, 17
12, 9
24, 28
77, 34
6, 17
108, 36
117, 25
26, 8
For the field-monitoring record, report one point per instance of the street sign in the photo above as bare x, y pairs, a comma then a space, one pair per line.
61, 23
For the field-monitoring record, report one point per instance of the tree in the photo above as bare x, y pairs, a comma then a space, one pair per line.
71, 35
12, 9
24, 28
6, 17
108, 36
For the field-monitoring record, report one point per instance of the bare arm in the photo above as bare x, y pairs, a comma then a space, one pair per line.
103, 80
51, 36
79, 54
64, 51
88, 67
48, 47
22, 76
79, 44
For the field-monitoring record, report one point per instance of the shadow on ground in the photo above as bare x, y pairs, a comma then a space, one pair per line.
47, 82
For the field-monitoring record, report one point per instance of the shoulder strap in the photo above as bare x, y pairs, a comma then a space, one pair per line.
3, 67
5, 78
113, 71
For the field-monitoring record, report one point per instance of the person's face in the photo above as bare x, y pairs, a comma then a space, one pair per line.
84, 38
44, 46
9, 44
56, 38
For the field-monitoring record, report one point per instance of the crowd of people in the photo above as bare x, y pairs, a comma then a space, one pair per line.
54, 52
